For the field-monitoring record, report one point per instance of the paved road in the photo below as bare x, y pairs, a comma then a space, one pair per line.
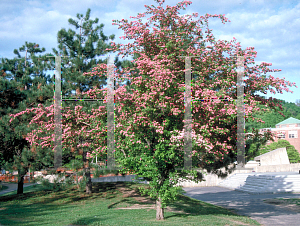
247, 204
12, 187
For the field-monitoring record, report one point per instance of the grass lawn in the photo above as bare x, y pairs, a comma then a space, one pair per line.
288, 203
110, 204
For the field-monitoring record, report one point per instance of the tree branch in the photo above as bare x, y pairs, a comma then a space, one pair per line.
124, 153
85, 123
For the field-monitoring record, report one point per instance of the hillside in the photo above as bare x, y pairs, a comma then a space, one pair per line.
272, 118
258, 146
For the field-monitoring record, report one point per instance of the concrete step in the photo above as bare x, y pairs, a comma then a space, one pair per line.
271, 187
268, 191
261, 183
234, 181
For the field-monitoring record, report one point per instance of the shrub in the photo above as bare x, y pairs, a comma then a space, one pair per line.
59, 184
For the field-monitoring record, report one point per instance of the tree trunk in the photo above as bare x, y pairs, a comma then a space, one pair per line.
87, 174
88, 186
159, 210
20, 184
77, 181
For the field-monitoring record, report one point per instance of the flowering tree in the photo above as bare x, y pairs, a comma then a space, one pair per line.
74, 132
149, 120
150, 129
23, 84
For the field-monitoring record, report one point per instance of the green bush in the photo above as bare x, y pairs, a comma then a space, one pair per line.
82, 184
293, 154
74, 164
56, 185
99, 171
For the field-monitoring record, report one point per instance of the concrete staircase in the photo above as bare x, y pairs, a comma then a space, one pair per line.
262, 183
234, 181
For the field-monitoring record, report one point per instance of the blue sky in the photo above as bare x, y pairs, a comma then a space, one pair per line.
271, 26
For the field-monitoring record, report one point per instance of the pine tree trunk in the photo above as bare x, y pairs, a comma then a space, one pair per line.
20, 184
159, 210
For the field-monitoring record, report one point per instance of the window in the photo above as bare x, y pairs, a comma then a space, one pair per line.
279, 126
283, 126
281, 134
298, 125
293, 134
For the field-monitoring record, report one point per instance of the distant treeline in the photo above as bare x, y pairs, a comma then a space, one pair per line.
272, 118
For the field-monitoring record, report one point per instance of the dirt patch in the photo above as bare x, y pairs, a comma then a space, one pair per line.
232, 221
285, 203
151, 203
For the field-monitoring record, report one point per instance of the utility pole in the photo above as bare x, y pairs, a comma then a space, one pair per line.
110, 114
188, 117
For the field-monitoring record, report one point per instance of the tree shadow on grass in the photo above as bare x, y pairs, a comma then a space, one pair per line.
126, 193
195, 207
20, 214
183, 207
130, 195
87, 221
42, 202
72, 193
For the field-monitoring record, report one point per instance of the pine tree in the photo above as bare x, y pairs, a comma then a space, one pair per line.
28, 93
17, 94
81, 52
82, 48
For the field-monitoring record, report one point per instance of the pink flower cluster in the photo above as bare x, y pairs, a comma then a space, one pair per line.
161, 86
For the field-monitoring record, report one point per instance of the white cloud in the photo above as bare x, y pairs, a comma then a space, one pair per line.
272, 28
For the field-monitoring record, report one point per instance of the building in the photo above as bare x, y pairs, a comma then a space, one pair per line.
288, 129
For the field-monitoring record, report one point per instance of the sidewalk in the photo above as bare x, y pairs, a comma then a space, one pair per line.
247, 204
13, 187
